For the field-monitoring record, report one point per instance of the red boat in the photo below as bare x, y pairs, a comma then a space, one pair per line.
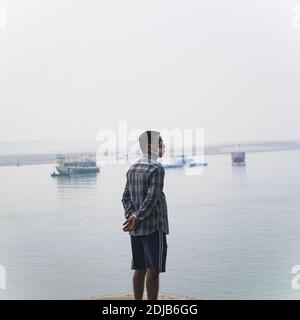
238, 156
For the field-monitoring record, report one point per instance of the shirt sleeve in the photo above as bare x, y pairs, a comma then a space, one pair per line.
154, 189
126, 201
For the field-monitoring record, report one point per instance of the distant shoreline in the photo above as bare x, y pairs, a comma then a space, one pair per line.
50, 158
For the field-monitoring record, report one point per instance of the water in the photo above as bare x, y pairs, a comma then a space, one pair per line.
234, 231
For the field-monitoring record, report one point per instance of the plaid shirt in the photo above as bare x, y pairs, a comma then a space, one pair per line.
143, 194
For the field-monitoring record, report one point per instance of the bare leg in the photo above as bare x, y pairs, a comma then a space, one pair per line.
138, 283
152, 284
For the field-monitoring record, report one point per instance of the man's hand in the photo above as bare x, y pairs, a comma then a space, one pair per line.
131, 223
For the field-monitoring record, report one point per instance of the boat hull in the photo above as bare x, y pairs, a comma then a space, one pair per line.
173, 165
76, 170
198, 164
238, 157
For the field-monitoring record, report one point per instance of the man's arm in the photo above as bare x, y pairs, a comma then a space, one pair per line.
127, 203
155, 186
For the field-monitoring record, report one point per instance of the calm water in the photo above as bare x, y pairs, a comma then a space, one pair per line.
234, 231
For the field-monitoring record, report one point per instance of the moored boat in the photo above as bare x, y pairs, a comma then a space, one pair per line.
238, 156
67, 165
198, 164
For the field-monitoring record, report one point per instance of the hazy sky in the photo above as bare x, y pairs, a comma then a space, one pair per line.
69, 68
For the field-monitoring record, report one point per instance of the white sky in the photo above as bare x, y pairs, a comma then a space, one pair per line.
69, 68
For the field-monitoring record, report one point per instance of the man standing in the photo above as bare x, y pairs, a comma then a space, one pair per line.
146, 215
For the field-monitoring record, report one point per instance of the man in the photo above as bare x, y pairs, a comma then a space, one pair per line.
146, 216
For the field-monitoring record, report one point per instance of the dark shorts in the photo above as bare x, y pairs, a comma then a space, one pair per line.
149, 251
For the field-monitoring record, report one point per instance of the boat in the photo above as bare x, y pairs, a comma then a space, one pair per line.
238, 156
182, 161
173, 163
197, 164
67, 165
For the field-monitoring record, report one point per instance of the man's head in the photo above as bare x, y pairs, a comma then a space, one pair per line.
152, 144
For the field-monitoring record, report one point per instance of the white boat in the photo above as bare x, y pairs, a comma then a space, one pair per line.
172, 163
67, 165
176, 162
